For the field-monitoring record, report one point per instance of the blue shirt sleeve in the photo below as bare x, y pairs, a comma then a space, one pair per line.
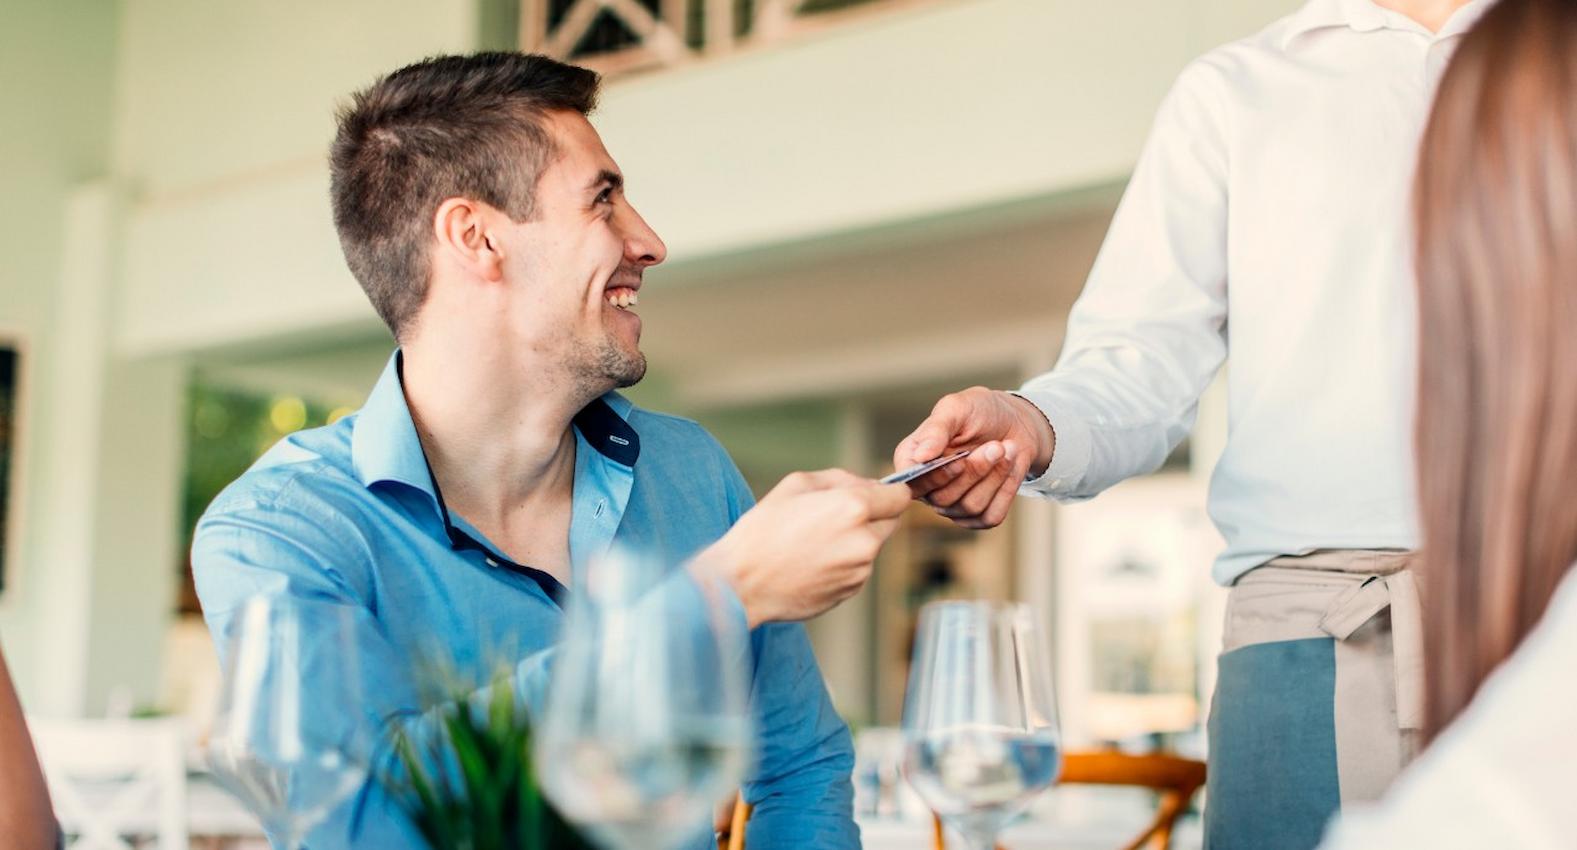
800, 788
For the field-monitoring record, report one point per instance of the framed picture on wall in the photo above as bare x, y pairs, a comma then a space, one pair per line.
10, 415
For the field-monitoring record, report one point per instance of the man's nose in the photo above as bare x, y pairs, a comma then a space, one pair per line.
642, 245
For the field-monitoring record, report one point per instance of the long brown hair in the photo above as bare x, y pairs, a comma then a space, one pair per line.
1496, 209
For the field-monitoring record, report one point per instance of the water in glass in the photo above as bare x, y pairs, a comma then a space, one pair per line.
980, 728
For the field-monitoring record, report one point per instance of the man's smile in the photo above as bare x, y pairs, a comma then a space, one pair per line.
623, 297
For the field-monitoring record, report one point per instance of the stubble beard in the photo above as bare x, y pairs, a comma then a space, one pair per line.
607, 363
623, 368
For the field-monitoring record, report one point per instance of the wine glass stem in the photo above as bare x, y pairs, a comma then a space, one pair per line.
980, 840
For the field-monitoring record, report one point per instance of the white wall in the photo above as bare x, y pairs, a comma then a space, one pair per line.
55, 122
949, 106
227, 112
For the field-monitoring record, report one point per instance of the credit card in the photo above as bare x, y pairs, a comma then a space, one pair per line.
904, 476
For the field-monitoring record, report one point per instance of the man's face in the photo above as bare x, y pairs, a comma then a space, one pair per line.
577, 264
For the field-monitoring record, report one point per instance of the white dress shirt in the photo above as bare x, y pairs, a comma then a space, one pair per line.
1500, 776
1268, 217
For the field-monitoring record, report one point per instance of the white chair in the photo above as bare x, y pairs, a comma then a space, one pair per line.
214, 819
114, 780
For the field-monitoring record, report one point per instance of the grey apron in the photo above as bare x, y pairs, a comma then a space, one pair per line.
1319, 696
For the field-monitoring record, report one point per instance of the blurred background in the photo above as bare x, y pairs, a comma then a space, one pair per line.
867, 203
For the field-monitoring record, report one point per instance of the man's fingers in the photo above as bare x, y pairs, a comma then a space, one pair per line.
887, 501
821, 479
827, 479
884, 528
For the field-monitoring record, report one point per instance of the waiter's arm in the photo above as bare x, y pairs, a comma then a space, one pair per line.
1143, 341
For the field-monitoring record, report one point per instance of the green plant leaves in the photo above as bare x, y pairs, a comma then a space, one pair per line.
467, 782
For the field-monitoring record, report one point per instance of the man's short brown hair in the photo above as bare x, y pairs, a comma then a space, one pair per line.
450, 126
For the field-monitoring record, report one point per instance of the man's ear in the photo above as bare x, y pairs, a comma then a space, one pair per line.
463, 230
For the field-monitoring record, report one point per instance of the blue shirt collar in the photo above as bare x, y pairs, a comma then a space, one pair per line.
385, 447
383, 442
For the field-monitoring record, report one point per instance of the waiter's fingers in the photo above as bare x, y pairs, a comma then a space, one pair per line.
936, 479
928, 441
997, 511
974, 502
972, 469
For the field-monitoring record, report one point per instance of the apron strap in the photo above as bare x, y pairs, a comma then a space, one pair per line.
1359, 604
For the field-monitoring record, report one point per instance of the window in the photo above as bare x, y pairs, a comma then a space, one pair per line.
227, 428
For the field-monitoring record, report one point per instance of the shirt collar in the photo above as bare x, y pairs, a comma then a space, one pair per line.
385, 447
1366, 16
1325, 14
383, 442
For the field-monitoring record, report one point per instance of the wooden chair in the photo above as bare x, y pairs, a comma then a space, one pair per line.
733, 837
1175, 779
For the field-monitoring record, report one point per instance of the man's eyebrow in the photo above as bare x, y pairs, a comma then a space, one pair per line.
612, 179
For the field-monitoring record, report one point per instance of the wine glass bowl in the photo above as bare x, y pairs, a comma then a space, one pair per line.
286, 741
980, 729
645, 727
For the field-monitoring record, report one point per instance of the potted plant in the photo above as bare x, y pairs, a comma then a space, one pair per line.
466, 781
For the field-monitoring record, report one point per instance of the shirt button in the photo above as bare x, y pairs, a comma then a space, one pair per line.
491, 562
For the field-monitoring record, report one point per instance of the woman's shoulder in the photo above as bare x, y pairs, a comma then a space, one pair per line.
1500, 773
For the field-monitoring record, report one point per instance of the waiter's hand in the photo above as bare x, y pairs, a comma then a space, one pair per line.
808, 545
1010, 438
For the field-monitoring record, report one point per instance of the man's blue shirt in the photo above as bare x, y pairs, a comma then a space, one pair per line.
349, 514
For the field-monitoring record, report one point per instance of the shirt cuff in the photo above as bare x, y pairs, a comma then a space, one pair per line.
1070, 456
732, 606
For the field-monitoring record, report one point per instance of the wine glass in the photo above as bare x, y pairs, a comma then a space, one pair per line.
645, 727
286, 741
980, 729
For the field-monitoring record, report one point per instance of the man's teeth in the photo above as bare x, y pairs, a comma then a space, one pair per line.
624, 298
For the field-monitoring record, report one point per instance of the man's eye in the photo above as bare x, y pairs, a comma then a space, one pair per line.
605, 196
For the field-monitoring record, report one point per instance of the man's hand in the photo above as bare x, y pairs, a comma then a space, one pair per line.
808, 545
1010, 438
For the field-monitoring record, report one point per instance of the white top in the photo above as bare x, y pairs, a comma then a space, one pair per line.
1268, 215
1501, 775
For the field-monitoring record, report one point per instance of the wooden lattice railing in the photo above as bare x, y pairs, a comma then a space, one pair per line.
619, 36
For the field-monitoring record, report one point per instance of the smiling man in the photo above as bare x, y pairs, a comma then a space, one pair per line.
477, 207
